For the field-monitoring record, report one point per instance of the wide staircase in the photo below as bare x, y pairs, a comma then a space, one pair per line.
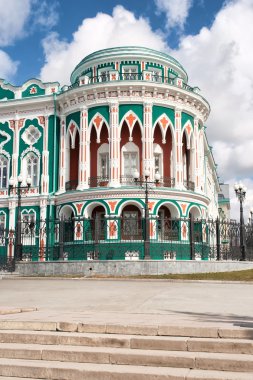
74, 351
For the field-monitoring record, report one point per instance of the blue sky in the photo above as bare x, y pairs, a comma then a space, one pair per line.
69, 15
212, 39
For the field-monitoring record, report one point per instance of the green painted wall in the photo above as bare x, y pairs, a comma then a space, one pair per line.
158, 111
103, 110
185, 117
6, 94
73, 116
39, 91
136, 108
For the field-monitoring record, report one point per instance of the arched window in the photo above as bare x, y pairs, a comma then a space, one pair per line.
28, 218
3, 171
2, 228
31, 168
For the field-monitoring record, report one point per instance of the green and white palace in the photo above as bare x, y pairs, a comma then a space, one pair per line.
128, 114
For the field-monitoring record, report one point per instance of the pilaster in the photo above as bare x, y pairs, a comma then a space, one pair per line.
62, 168
114, 145
147, 141
84, 151
179, 156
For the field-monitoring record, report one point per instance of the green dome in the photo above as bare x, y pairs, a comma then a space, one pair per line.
128, 53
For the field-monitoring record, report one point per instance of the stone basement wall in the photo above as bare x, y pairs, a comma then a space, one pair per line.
127, 268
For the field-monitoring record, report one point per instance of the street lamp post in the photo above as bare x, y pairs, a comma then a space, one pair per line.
240, 192
251, 216
146, 211
19, 190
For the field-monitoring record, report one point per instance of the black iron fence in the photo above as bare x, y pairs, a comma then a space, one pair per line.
125, 238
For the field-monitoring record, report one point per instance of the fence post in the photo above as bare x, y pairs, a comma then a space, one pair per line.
61, 239
218, 238
192, 245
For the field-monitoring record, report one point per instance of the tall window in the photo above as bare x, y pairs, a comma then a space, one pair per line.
130, 225
130, 72
3, 172
156, 75
104, 165
28, 228
2, 229
32, 166
130, 163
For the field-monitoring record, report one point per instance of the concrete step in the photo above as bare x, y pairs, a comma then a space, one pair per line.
129, 341
127, 356
185, 331
52, 370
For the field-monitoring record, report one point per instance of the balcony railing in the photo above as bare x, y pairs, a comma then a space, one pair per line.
98, 181
144, 76
189, 185
167, 182
71, 185
126, 180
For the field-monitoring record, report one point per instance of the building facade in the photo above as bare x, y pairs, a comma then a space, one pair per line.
128, 109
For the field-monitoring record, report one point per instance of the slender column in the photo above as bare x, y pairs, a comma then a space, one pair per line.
179, 157
84, 164
196, 178
14, 126
147, 141
43, 231
114, 145
62, 169
12, 208
45, 157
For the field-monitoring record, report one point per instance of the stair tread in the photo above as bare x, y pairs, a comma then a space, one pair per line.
164, 372
73, 348
127, 337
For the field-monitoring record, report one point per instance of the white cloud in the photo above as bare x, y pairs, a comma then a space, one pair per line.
8, 67
102, 31
219, 60
45, 13
20, 17
176, 12
13, 16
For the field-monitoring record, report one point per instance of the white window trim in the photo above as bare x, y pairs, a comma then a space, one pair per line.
7, 171
158, 150
129, 147
103, 149
2, 237
154, 71
130, 67
25, 171
29, 239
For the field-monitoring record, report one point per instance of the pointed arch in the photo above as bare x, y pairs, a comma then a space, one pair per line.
164, 123
72, 155
130, 118
72, 130
97, 123
188, 130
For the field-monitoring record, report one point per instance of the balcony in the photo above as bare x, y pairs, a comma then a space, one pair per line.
99, 181
71, 185
147, 76
189, 185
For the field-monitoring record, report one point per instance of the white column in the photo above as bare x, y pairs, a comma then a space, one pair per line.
197, 156
178, 151
114, 145
14, 127
45, 158
62, 168
147, 141
43, 235
84, 162
12, 209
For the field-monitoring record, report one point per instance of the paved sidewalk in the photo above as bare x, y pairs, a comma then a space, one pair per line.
127, 302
